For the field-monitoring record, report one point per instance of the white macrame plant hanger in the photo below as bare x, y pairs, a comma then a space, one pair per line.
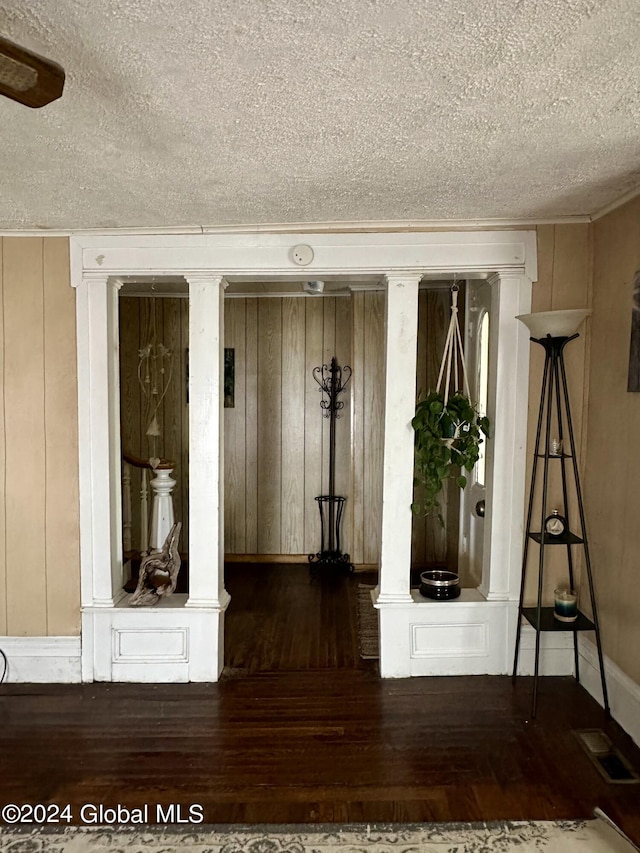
453, 353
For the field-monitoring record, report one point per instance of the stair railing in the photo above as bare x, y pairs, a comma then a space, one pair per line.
151, 535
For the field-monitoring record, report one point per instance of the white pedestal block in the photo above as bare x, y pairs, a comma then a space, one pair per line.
165, 643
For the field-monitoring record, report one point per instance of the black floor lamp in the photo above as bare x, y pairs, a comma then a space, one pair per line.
553, 330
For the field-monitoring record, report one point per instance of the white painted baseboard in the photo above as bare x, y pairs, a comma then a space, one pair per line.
54, 660
556, 652
624, 693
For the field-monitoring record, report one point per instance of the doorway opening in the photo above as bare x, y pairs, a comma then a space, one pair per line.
185, 640
283, 615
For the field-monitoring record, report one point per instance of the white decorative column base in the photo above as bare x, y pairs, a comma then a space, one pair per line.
466, 636
165, 643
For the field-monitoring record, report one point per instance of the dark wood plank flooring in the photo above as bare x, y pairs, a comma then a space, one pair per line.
300, 730
285, 618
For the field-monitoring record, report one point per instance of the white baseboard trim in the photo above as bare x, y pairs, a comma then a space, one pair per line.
624, 693
54, 660
556, 652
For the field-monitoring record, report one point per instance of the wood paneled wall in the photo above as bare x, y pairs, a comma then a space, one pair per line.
39, 527
432, 543
612, 461
564, 274
39, 522
276, 440
172, 329
367, 400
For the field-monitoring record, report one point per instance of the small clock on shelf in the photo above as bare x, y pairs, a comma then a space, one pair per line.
555, 524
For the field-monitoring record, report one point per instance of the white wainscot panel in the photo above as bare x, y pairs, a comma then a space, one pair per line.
135, 645
166, 643
466, 636
449, 640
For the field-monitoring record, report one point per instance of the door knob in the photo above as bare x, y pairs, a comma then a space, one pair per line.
480, 509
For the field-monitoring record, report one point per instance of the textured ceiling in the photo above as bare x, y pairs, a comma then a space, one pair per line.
212, 112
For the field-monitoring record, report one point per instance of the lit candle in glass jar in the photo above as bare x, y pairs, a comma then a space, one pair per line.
566, 605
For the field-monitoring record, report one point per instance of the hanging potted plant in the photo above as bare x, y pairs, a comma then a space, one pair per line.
448, 429
448, 435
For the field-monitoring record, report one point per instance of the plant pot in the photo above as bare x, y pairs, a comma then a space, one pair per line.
439, 584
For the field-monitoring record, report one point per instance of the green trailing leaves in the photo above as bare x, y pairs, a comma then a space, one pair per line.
447, 441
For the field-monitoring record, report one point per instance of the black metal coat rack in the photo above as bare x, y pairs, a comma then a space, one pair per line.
332, 380
554, 383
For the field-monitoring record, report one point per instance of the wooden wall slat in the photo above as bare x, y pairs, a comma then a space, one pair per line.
130, 399
314, 320
171, 412
343, 430
62, 545
25, 436
419, 527
292, 437
438, 317
251, 428
235, 489
357, 427
183, 484
3, 461
374, 366
270, 422
328, 351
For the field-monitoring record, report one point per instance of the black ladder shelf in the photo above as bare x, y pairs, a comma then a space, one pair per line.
554, 384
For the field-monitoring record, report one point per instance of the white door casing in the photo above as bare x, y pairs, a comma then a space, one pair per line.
473, 496
182, 640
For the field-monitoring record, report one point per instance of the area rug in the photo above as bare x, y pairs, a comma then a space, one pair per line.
585, 836
368, 640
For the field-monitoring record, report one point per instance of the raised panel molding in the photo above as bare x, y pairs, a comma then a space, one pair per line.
453, 639
137, 645
166, 643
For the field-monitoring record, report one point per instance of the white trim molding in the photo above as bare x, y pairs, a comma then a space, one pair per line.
42, 659
624, 693
371, 226
183, 639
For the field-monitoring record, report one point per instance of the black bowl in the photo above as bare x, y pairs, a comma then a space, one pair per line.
439, 584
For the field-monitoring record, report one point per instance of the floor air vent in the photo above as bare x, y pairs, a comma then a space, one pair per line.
611, 765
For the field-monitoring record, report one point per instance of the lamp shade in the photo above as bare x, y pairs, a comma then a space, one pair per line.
558, 324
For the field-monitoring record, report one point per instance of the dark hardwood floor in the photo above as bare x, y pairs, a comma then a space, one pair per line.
285, 618
301, 730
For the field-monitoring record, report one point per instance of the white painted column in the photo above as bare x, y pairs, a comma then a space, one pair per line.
99, 439
400, 404
115, 443
506, 452
206, 442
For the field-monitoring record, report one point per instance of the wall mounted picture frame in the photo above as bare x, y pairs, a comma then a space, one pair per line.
633, 379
